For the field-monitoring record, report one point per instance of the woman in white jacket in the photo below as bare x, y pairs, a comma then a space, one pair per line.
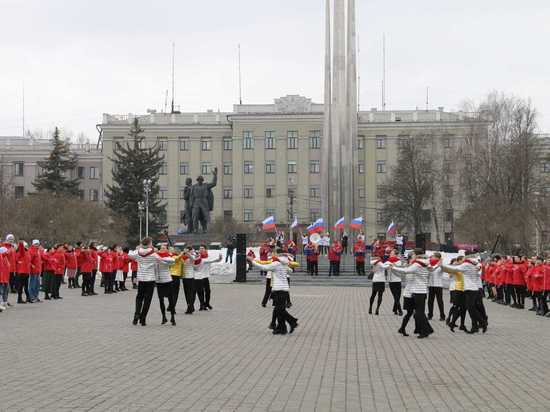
380, 265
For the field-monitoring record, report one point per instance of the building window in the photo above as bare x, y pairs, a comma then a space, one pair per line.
270, 212
546, 167
315, 139
248, 167
361, 193
228, 168
379, 217
81, 172
381, 192
206, 144
380, 142
449, 215
163, 193
93, 173
163, 169
269, 192
248, 215
291, 192
184, 144
360, 142
291, 167
248, 192
446, 141
314, 166
205, 168
184, 168
403, 140
18, 168
269, 139
81, 194
269, 167
292, 139
19, 192
162, 143
227, 193
314, 214
227, 143
248, 140
94, 195
361, 168
381, 166
314, 193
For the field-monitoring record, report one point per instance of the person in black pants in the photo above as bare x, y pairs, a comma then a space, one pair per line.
143, 300
280, 298
408, 305
230, 248
267, 293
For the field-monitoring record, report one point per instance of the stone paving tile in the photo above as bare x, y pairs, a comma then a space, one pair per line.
82, 354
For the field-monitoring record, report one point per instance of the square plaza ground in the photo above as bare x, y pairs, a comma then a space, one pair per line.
83, 354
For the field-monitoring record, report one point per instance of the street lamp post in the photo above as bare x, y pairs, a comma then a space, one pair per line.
537, 224
141, 207
147, 191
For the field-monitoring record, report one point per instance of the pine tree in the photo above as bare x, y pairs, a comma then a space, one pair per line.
53, 178
132, 164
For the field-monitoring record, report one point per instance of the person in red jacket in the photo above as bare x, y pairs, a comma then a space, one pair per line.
77, 251
360, 252
334, 254
58, 270
48, 261
23, 267
4, 278
134, 269
124, 265
86, 264
106, 267
35, 252
537, 286
10, 256
95, 259
312, 255
71, 264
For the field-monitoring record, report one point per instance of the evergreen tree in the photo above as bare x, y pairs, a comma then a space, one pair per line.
53, 178
132, 164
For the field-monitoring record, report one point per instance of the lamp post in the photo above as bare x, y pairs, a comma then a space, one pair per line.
141, 207
537, 224
147, 191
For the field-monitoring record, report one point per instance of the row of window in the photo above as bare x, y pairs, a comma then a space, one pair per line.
93, 194
270, 167
93, 172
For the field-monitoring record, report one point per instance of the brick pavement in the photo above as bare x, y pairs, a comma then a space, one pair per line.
82, 354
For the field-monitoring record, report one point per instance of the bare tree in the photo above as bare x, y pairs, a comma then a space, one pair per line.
409, 190
500, 176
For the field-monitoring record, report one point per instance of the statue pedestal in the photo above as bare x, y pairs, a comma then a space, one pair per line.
196, 239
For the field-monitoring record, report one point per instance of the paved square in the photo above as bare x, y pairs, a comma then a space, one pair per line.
82, 354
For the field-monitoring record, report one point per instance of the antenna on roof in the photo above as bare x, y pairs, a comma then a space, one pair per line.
427, 98
165, 101
383, 71
173, 58
240, 79
23, 110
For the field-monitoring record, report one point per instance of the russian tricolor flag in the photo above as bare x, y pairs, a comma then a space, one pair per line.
339, 225
357, 223
268, 223
317, 226
392, 229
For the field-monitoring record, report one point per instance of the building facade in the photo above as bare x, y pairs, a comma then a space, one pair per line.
19, 159
269, 159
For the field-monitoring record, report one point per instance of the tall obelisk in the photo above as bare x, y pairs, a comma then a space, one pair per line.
340, 122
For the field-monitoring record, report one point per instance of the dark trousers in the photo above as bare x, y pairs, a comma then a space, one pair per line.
520, 294
23, 284
199, 289
143, 299
176, 289
86, 283
313, 268
166, 290
94, 274
395, 289
471, 303
458, 310
13, 282
408, 305
189, 291
377, 289
509, 294
280, 299
421, 324
435, 292
47, 283
206, 289
229, 256
267, 292
334, 268
109, 281
56, 284
360, 268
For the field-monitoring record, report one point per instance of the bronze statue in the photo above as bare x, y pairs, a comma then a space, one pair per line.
202, 201
188, 215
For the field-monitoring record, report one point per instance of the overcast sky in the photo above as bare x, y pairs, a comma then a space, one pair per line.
81, 58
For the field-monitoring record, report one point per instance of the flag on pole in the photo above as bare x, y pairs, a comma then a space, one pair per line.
357, 223
339, 225
316, 227
294, 224
392, 229
268, 223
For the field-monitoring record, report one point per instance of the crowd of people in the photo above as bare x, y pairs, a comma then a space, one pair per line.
26, 270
